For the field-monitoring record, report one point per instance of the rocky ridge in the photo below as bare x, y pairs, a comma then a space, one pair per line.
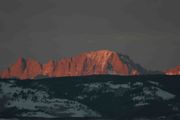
89, 63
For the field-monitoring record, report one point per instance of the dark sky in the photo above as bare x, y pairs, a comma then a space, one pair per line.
146, 30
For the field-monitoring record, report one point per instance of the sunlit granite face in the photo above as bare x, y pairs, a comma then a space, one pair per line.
173, 71
89, 63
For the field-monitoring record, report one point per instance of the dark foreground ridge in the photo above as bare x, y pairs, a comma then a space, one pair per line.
104, 77
99, 97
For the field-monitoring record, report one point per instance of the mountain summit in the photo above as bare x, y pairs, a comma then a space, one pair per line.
173, 71
89, 63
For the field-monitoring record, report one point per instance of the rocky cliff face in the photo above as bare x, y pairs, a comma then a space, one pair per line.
173, 71
90, 63
23, 69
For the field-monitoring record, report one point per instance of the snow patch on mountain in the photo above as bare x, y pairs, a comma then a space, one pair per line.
37, 103
108, 85
164, 94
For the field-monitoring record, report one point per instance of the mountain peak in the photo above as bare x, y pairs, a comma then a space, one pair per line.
88, 63
100, 55
173, 71
103, 52
20, 60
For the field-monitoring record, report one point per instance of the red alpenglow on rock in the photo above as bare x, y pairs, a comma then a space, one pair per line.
90, 63
23, 69
173, 71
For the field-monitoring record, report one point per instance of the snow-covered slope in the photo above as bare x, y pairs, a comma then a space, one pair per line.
94, 96
36, 102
